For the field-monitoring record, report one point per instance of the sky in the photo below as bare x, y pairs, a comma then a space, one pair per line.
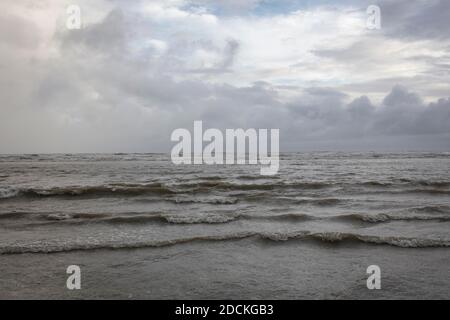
137, 70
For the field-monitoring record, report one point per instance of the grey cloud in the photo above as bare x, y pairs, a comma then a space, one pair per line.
104, 95
123, 34
224, 66
402, 113
15, 31
416, 19
230, 53
399, 96
230, 6
361, 108
369, 54
108, 36
359, 51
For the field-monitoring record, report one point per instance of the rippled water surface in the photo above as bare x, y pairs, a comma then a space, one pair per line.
359, 206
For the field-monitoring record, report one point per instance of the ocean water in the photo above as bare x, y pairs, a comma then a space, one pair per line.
142, 227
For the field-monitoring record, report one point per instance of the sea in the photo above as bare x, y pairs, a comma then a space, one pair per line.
141, 227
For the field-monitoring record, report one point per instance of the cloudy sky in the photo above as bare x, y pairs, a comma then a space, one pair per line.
137, 70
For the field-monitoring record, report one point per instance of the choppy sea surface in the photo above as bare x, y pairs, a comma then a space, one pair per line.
142, 227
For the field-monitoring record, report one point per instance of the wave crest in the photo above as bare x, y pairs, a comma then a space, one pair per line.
323, 237
119, 189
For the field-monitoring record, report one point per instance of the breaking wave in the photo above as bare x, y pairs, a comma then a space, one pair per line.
151, 188
215, 184
216, 218
8, 193
323, 237
216, 200
432, 209
386, 217
223, 185
119, 189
